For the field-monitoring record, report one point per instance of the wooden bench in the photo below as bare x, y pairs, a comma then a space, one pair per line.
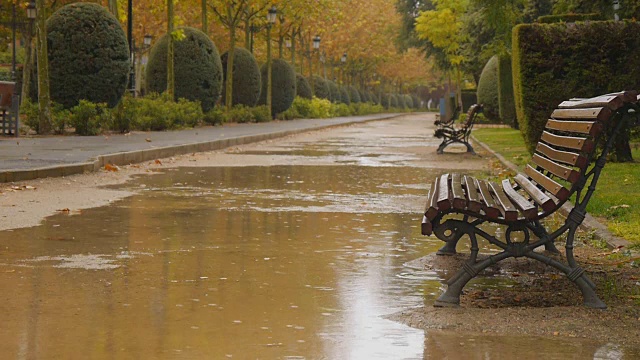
9, 108
567, 162
450, 134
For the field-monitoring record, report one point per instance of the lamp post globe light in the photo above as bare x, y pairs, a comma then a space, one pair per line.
271, 19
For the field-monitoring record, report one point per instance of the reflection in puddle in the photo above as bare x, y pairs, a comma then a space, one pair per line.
189, 268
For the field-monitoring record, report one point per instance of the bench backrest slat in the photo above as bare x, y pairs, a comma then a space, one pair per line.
561, 171
596, 114
544, 201
590, 128
559, 191
570, 142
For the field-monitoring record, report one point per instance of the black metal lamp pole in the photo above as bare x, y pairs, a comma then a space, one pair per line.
13, 48
132, 74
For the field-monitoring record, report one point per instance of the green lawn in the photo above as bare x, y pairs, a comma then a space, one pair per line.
616, 200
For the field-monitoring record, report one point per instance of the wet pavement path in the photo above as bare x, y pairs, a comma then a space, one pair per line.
294, 249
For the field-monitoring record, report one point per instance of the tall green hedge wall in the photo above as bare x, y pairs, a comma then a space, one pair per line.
556, 62
488, 90
506, 104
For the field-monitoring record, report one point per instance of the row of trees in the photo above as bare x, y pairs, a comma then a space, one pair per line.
460, 36
358, 31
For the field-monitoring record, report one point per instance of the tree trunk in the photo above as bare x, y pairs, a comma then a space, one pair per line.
27, 70
229, 80
269, 80
247, 34
113, 7
171, 85
44, 99
280, 47
205, 22
293, 49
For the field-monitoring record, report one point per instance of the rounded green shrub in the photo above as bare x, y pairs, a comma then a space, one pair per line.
363, 96
344, 95
283, 86
303, 89
408, 101
321, 88
393, 101
88, 55
385, 100
353, 94
400, 99
335, 91
246, 78
197, 68
488, 90
416, 101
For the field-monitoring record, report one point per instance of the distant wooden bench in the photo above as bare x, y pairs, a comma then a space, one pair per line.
450, 134
567, 162
447, 122
9, 108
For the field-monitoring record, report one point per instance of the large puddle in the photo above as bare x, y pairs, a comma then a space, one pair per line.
272, 262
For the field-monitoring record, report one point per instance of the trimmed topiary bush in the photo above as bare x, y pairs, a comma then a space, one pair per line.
354, 96
321, 88
408, 101
416, 101
400, 99
393, 101
548, 19
246, 78
283, 86
556, 62
303, 89
335, 92
197, 68
488, 90
507, 107
363, 96
88, 55
385, 101
344, 95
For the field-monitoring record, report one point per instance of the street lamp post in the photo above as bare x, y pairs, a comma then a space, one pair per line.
316, 46
271, 19
13, 48
343, 60
146, 44
132, 71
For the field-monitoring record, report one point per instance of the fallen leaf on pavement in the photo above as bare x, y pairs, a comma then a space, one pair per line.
147, 140
158, 162
110, 167
65, 210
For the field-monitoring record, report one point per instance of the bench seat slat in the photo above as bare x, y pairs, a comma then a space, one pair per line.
596, 114
571, 142
564, 157
472, 193
528, 209
560, 192
509, 210
556, 169
444, 193
489, 205
543, 200
431, 210
591, 128
459, 199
